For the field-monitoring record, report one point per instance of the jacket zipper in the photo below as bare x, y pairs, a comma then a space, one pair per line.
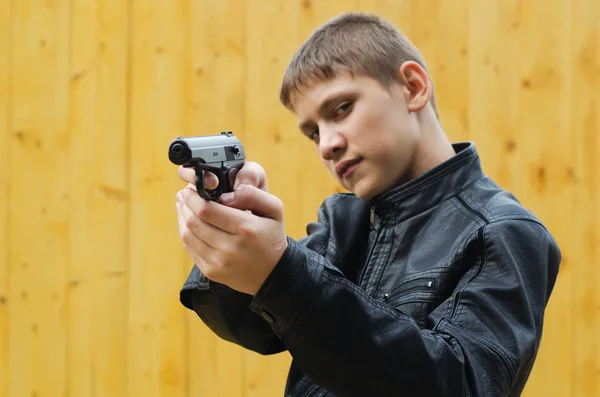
371, 226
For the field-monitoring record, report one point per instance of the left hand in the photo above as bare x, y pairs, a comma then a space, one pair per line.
236, 245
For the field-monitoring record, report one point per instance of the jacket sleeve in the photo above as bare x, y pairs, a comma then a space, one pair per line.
227, 312
484, 338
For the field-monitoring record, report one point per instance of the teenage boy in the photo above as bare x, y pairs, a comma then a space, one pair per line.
428, 279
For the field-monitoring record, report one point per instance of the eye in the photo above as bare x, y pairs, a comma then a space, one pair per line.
314, 134
340, 110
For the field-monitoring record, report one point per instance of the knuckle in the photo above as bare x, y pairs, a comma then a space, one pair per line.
243, 193
185, 236
191, 222
226, 247
202, 211
218, 263
246, 230
279, 204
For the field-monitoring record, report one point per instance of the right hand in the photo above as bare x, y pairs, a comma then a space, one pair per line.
251, 173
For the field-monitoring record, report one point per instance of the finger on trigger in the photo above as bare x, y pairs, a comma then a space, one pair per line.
210, 180
189, 175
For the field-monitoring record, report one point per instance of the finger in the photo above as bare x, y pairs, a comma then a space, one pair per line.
220, 216
211, 235
252, 174
189, 175
259, 202
194, 245
196, 248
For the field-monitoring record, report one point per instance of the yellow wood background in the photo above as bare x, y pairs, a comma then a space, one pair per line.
92, 92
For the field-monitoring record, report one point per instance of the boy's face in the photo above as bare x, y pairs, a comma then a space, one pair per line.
364, 133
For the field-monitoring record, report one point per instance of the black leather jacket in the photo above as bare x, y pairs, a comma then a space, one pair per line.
436, 288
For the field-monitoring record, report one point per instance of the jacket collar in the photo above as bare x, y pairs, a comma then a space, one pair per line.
431, 188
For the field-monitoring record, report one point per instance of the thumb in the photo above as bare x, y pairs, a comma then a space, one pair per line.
252, 174
255, 200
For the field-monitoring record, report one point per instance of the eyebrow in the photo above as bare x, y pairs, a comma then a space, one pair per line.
326, 104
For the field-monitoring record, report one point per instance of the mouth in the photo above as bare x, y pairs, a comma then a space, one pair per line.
345, 168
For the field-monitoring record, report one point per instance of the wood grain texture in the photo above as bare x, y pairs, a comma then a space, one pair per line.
157, 347
98, 180
40, 201
93, 91
544, 185
6, 83
585, 175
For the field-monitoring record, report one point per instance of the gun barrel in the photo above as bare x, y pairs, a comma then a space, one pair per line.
206, 149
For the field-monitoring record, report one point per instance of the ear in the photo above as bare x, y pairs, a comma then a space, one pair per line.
416, 84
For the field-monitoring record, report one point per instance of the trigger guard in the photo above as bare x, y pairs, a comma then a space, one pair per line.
206, 194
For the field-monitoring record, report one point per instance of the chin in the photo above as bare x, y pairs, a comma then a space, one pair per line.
364, 190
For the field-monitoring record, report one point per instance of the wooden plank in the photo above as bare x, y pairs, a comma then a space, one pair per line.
39, 254
5, 174
585, 106
214, 101
546, 163
493, 84
98, 180
442, 36
157, 348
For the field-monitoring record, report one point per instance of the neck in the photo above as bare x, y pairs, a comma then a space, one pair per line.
434, 146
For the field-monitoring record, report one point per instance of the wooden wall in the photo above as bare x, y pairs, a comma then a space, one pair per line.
92, 92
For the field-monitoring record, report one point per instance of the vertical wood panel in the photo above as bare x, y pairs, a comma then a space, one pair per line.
585, 106
40, 200
442, 36
98, 181
271, 29
157, 346
5, 171
215, 73
546, 163
494, 103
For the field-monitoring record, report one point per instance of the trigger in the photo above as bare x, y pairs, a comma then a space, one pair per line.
199, 180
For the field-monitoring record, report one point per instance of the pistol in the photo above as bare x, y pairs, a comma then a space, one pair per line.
222, 154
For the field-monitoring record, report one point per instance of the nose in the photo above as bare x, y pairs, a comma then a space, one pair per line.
331, 143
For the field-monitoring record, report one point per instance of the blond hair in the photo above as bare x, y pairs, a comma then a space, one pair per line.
352, 42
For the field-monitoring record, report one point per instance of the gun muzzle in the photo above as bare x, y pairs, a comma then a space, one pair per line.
179, 152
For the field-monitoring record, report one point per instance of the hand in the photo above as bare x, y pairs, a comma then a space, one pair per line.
250, 174
230, 245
